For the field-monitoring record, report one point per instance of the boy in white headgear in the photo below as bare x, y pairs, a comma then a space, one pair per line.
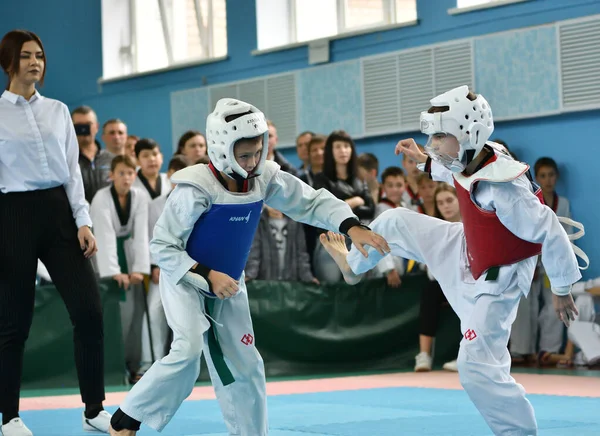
201, 244
486, 263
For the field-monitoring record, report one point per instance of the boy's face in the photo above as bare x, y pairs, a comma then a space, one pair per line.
546, 178
130, 148
366, 175
247, 154
317, 154
122, 177
394, 187
150, 161
427, 190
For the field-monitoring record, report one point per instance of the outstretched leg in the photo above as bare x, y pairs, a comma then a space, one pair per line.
335, 244
410, 235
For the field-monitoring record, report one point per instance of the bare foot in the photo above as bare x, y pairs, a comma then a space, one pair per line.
113, 432
335, 244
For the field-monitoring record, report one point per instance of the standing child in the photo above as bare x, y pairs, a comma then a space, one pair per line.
484, 264
532, 322
120, 216
368, 170
279, 250
393, 186
149, 178
201, 244
155, 337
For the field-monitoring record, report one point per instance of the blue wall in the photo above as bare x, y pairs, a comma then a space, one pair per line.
72, 36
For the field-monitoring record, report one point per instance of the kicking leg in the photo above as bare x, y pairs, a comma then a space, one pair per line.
410, 235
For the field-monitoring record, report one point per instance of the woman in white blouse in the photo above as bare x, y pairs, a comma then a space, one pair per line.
43, 215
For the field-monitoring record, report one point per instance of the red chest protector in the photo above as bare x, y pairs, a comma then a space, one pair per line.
489, 243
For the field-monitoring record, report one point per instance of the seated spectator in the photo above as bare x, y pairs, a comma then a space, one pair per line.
279, 250
584, 333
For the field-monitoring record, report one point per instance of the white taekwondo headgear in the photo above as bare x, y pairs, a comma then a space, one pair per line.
469, 121
221, 135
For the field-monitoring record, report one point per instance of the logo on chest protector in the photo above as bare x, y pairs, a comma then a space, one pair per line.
241, 218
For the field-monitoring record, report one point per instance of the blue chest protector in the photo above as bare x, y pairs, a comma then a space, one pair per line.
222, 237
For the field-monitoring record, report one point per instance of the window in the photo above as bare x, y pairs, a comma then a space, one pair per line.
146, 35
474, 5
471, 3
284, 22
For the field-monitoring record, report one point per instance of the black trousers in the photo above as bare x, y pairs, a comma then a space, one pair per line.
432, 299
40, 224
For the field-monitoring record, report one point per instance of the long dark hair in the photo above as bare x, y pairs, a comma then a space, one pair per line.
10, 52
185, 138
329, 162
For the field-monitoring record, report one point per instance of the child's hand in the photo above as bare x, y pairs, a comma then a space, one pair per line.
410, 148
565, 308
122, 280
136, 278
393, 279
361, 236
222, 285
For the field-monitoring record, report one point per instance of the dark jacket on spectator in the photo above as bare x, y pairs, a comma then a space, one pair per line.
263, 262
95, 173
345, 189
284, 163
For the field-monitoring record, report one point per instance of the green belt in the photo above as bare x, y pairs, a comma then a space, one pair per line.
122, 259
492, 274
216, 353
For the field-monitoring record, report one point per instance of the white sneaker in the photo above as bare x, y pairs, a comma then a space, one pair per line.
423, 362
451, 366
15, 428
100, 423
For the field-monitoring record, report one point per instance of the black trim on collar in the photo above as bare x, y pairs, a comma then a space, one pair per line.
154, 193
123, 214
